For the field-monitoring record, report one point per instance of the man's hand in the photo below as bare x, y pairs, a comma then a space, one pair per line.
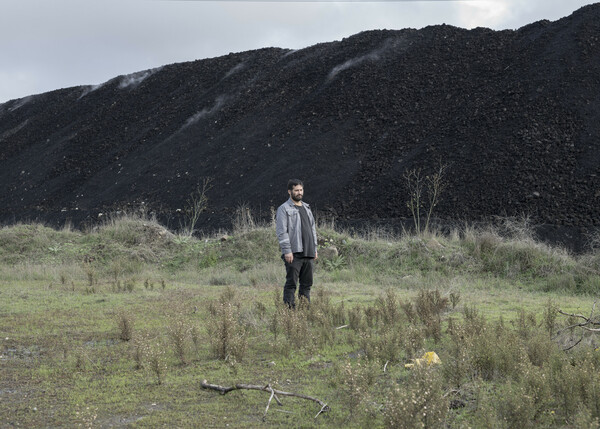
289, 257
316, 255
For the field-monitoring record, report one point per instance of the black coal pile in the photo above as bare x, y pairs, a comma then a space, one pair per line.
515, 115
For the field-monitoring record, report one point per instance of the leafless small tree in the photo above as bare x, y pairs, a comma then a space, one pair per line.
243, 220
415, 183
196, 204
424, 193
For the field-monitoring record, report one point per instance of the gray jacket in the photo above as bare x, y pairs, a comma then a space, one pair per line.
289, 227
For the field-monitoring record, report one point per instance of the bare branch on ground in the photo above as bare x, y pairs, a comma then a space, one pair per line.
584, 325
265, 388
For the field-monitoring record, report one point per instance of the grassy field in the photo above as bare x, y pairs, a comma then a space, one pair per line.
118, 327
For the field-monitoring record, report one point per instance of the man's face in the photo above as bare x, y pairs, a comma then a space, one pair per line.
296, 193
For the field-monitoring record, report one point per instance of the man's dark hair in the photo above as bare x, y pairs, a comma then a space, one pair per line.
294, 182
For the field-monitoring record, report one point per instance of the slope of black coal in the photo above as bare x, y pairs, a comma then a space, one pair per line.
514, 114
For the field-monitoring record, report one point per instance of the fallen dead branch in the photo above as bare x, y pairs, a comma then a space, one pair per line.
265, 388
268, 404
587, 321
585, 324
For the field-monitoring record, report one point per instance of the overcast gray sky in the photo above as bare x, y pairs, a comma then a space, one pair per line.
51, 44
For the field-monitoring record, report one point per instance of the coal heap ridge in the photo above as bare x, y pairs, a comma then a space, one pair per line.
515, 115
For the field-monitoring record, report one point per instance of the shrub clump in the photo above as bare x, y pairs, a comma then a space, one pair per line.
417, 403
227, 337
124, 322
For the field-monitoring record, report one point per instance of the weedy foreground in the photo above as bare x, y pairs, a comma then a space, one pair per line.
120, 325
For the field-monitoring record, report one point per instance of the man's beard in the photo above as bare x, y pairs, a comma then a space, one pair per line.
297, 197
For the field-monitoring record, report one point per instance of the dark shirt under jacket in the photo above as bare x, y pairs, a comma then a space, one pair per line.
308, 245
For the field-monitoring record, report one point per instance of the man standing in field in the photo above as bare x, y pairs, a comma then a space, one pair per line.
297, 237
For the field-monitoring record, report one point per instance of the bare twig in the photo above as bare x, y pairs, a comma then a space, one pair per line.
436, 184
277, 399
581, 316
221, 389
323, 408
576, 325
342, 327
268, 404
264, 388
450, 392
573, 345
196, 204
587, 321
385, 366
268, 388
424, 194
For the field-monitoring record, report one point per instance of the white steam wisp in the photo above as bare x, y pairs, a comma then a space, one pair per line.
20, 103
219, 102
235, 69
13, 130
134, 79
374, 56
90, 88
371, 56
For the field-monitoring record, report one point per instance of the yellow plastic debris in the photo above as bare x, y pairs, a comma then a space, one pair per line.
429, 358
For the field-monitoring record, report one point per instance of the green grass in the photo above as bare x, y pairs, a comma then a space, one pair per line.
63, 363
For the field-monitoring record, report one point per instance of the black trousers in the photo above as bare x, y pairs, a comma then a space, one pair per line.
301, 269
